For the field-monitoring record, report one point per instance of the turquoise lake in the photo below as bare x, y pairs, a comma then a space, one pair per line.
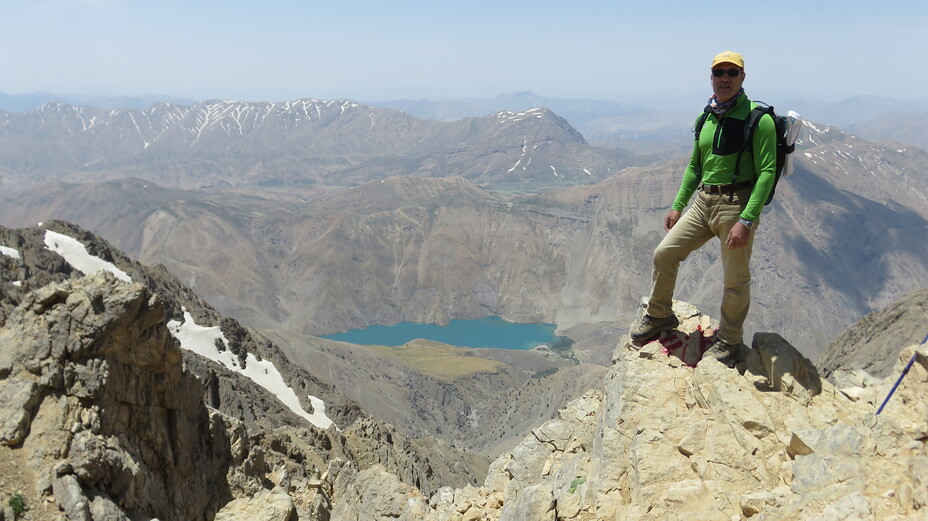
483, 332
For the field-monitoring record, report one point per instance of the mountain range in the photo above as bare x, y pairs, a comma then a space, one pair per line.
646, 127
302, 143
845, 235
649, 126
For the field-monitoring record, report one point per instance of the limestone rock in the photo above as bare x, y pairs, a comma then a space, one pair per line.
21, 398
786, 369
102, 398
268, 505
532, 502
378, 495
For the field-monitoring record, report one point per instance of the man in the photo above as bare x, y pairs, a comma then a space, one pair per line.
731, 184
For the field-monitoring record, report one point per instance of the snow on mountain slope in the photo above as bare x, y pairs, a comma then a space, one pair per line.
77, 256
204, 341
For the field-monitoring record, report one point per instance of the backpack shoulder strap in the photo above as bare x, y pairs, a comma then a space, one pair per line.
750, 125
700, 121
697, 128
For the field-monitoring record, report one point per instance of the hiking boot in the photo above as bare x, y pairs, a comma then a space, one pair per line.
649, 327
721, 350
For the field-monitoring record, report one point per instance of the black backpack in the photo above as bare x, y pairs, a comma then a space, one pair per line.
750, 125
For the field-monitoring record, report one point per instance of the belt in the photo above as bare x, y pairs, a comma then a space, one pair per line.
725, 189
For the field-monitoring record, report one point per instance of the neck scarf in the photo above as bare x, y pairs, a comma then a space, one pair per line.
721, 108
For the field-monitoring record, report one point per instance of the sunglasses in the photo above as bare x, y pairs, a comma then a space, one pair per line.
718, 73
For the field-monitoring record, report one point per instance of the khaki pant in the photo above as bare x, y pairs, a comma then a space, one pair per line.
710, 216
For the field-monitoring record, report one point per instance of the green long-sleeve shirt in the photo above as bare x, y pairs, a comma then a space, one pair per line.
717, 150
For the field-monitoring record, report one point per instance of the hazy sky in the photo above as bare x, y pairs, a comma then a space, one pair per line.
274, 50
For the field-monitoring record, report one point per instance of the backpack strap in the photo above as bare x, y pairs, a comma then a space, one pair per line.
750, 125
697, 128
700, 121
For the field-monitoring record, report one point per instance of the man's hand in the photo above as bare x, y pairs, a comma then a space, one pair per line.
671, 219
738, 236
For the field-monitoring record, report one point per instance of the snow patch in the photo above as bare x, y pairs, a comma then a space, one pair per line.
515, 117
10, 252
524, 152
77, 256
202, 341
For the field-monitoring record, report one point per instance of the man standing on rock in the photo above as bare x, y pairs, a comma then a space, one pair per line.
731, 185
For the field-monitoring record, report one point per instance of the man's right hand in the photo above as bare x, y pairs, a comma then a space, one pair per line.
671, 219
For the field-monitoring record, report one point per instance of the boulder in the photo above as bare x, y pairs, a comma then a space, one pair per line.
267, 505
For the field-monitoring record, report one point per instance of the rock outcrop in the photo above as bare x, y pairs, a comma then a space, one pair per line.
102, 416
33, 266
97, 405
768, 439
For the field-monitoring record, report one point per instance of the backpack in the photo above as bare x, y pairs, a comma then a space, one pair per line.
784, 146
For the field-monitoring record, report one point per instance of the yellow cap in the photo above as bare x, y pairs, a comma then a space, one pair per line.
728, 57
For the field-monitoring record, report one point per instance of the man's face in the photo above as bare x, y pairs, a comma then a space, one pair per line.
726, 86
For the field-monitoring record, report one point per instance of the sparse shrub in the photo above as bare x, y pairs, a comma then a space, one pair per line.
544, 373
17, 503
562, 344
575, 483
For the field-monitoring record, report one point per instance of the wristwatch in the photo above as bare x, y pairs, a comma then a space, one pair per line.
746, 223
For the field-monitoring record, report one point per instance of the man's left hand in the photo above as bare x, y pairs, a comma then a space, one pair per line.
738, 236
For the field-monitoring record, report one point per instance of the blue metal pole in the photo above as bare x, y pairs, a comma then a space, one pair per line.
899, 380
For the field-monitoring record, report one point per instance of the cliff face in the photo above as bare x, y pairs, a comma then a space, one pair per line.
767, 439
98, 408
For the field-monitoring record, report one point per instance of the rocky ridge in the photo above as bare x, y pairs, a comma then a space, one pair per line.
768, 439
51, 395
35, 265
873, 344
102, 420
98, 407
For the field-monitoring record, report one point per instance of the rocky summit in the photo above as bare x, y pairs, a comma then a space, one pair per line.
767, 439
103, 418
